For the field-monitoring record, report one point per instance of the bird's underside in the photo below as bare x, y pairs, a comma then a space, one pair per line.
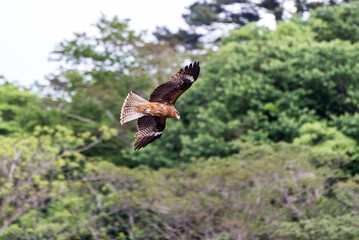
152, 114
156, 109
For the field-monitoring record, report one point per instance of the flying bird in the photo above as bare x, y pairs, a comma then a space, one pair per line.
152, 114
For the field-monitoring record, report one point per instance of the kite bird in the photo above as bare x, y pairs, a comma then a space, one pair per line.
151, 114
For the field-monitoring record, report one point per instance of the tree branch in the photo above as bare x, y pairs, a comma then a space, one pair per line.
82, 119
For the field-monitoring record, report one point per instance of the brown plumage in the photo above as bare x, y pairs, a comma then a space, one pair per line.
151, 114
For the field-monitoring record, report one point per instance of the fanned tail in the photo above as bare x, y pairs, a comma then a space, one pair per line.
128, 112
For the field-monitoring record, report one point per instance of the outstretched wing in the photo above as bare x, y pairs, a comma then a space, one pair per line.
171, 90
149, 129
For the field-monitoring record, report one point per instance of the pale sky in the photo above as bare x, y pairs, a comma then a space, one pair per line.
30, 29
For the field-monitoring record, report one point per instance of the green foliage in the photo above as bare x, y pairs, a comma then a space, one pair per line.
328, 141
263, 191
21, 111
340, 22
348, 124
36, 167
267, 147
325, 227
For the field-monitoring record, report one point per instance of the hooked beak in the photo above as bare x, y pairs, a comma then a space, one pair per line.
178, 117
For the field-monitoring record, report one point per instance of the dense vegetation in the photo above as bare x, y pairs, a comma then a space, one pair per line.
267, 146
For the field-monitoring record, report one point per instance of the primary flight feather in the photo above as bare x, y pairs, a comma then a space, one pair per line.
151, 114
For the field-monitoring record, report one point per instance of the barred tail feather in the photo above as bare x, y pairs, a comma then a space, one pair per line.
128, 112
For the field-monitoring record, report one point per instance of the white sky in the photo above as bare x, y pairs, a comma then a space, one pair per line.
30, 29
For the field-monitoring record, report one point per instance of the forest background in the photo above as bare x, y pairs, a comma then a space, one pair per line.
267, 146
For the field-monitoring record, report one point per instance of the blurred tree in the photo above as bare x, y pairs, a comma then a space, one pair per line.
267, 192
34, 168
21, 110
325, 227
209, 20
182, 37
260, 86
338, 22
331, 147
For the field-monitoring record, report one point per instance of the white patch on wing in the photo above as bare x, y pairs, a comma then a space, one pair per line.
189, 77
147, 110
157, 133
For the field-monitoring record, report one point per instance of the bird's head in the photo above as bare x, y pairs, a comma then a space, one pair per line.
178, 115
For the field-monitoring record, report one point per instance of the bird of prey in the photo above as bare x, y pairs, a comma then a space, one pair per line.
151, 114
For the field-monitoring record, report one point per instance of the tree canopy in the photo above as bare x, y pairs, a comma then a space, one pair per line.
267, 146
